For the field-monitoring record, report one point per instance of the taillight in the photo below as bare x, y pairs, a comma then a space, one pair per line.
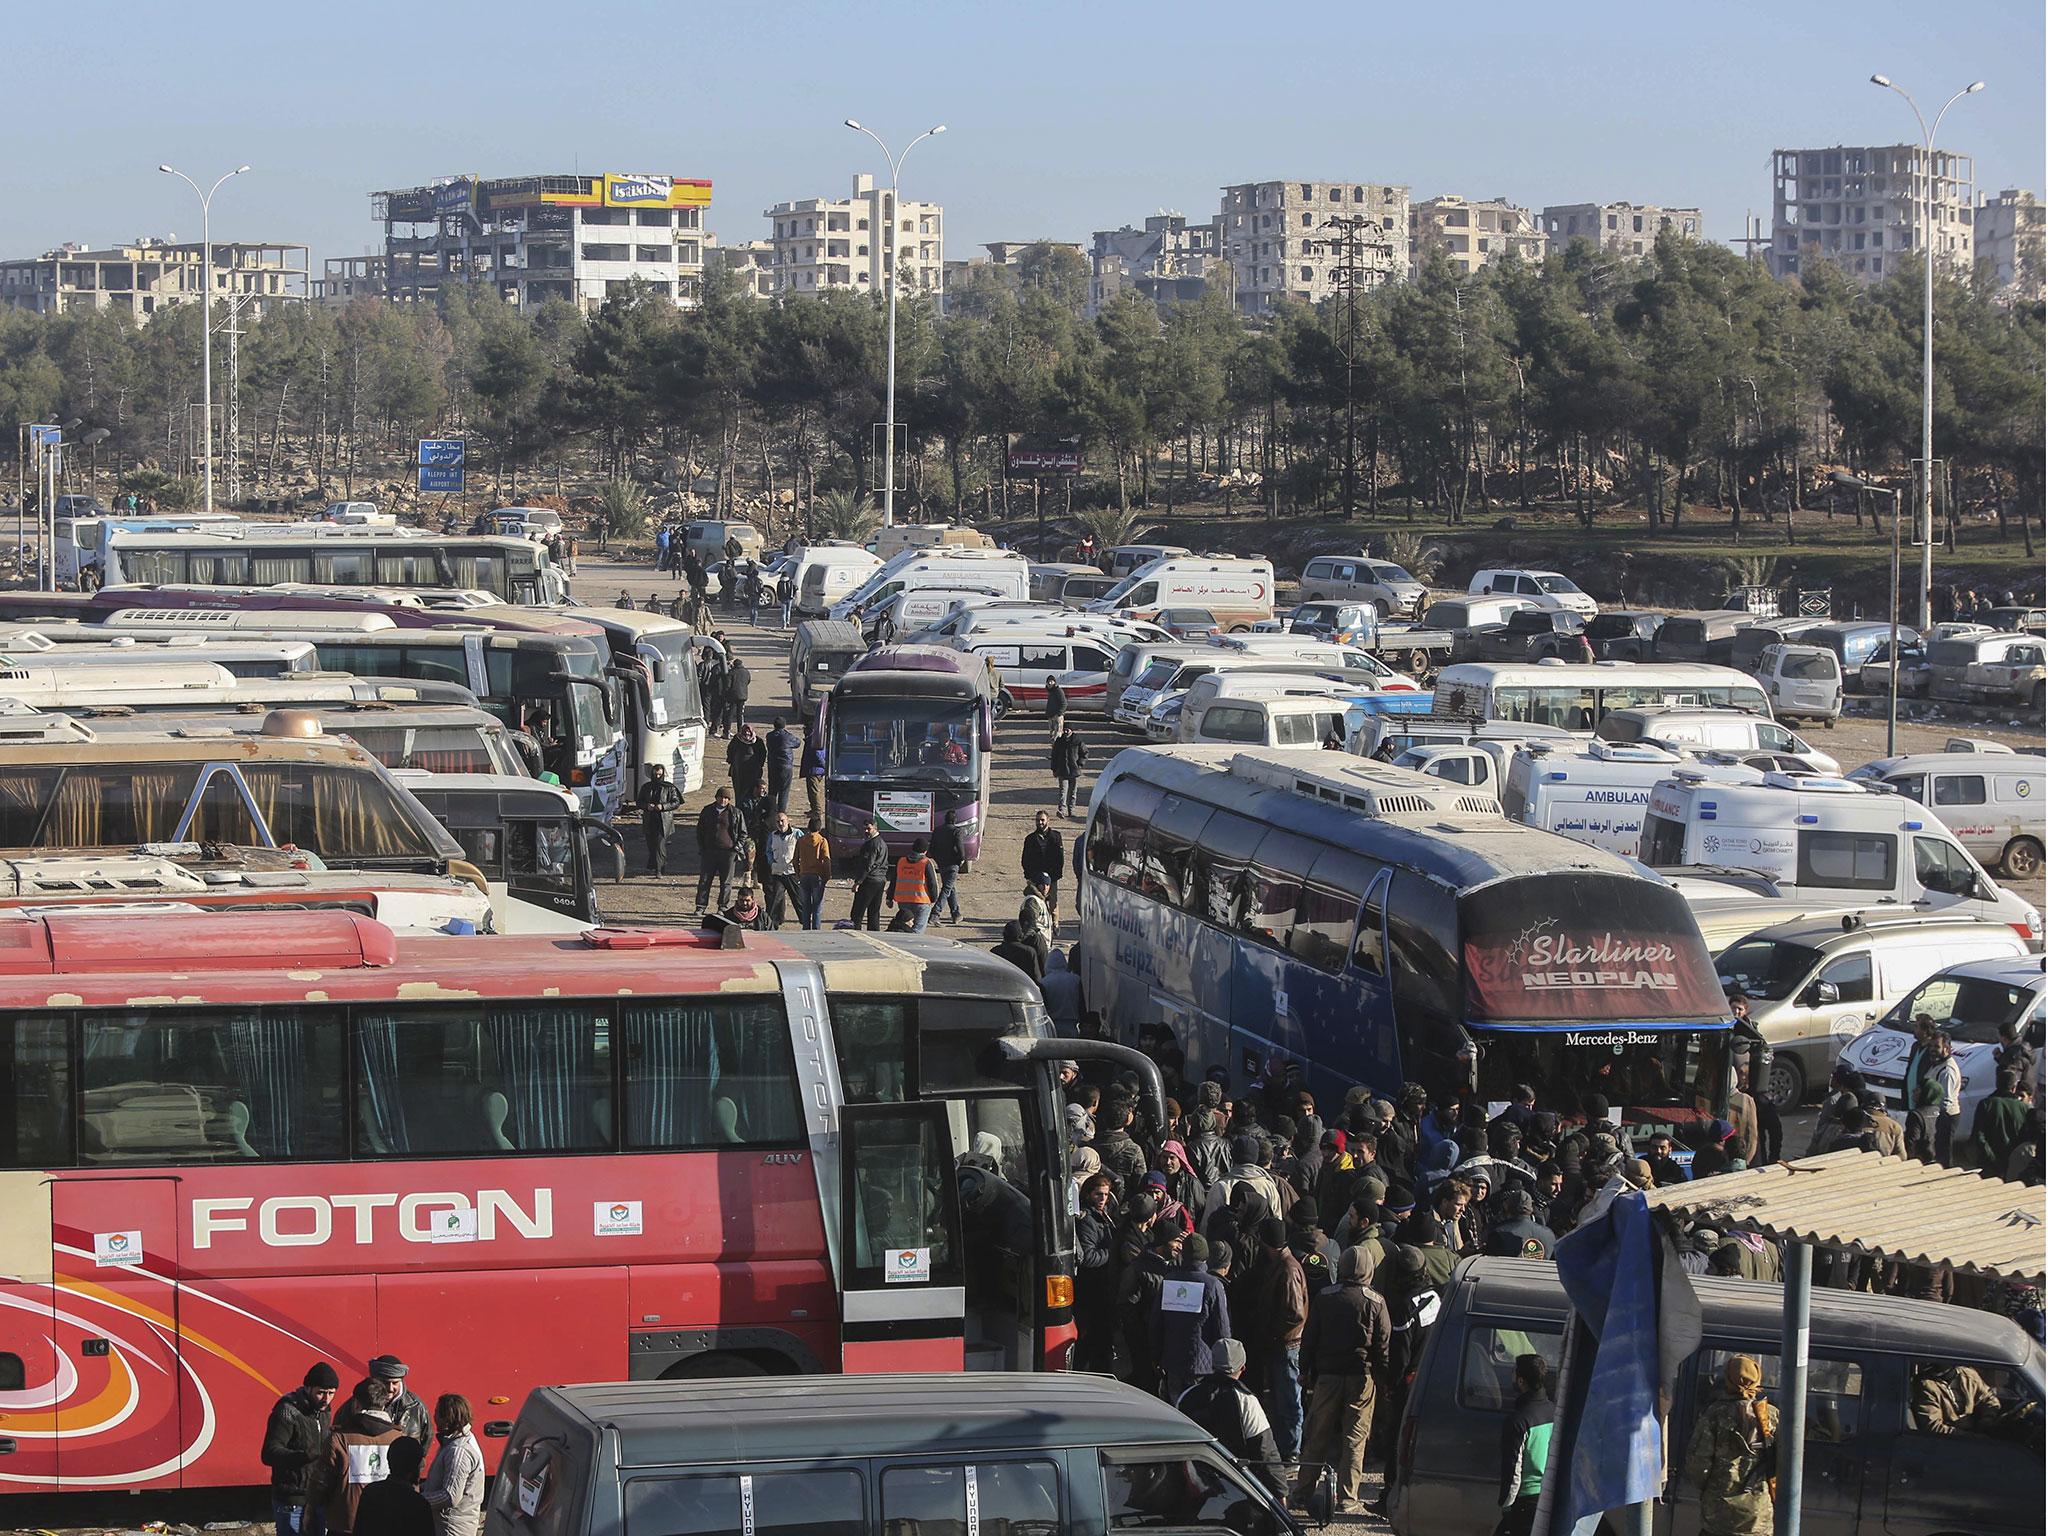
1059, 1291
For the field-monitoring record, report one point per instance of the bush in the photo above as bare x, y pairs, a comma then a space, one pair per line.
623, 510
169, 492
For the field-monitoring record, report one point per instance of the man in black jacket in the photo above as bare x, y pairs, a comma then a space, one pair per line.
718, 840
1055, 704
871, 878
1045, 853
949, 852
784, 749
711, 688
738, 681
1069, 753
1343, 1353
294, 1441
1223, 1405
659, 802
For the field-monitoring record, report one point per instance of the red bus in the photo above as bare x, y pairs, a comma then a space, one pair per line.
233, 1144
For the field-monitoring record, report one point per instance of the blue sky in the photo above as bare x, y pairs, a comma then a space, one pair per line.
1062, 117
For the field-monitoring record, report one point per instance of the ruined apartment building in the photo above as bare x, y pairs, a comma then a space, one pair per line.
153, 274
823, 243
2010, 257
1169, 261
1471, 235
1864, 208
1280, 240
1631, 229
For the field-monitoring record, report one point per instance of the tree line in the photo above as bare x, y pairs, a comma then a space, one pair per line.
1684, 379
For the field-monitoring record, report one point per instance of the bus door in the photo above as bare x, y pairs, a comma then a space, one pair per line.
904, 1297
114, 1264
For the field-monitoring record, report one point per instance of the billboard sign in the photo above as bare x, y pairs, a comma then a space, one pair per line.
454, 196
627, 191
1029, 460
441, 452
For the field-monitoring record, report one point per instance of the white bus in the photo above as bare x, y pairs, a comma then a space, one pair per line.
263, 555
664, 706
1576, 696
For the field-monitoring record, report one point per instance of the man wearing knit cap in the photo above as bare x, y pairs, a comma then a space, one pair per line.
1191, 1318
1226, 1408
294, 1439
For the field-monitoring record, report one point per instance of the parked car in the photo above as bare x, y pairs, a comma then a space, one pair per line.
1981, 665
1706, 635
1996, 803
1804, 682
1188, 623
1530, 634
1546, 589
1700, 731
1624, 634
1359, 579
1875, 675
1868, 1470
2015, 677
1746, 650
2033, 621
1972, 1001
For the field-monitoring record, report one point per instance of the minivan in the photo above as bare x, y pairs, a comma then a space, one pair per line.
824, 573
1711, 730
1001, 572
705, 537
1276, 716
1126, 558
1868, 1471
870, 1455
1804, 682
1049, 578
1707, 635
1546, 589
1996, 803
1459, 614
824, 649
1358, 579
1816, 983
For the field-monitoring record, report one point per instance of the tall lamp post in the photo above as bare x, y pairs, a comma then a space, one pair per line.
205, 309
1891, 720
1925, 510
889, 407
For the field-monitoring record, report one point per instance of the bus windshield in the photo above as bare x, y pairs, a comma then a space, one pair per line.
873, 739
1642, 1067
674, 697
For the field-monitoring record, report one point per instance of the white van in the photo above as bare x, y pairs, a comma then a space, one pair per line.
824, 573
1237, 593
1995, 803
1804, 682
997, 570
1148, 672
1711, 730
1247, 684
1546, 589
1126, 558
1025, 659
1821, 837
1259, 718
913, 612
898, 537
1049, 577
1456, 615
1292, 650
1593, 793
1361, 579
1972, 1001
1816, 983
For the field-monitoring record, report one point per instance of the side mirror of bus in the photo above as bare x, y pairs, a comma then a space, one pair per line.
497, 1429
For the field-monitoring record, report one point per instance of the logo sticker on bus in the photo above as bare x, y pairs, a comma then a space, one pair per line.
907, 1266
116, 1248
616, 1218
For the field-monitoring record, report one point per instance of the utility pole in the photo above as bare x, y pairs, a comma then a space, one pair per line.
1349, 277
233, 332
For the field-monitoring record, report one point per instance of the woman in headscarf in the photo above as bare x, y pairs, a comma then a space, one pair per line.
1732, 1455
1095, 1278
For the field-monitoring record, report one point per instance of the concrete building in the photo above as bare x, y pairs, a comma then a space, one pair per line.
2008, 232
1862, 208
152, 274
344, 279
539, 238
1169, 261
1628, 228
1279, 244
1472, 235
751, 261
822, 243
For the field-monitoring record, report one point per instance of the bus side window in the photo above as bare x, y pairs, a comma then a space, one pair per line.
1329, 909
1273, 889
1178, 829
1223, 860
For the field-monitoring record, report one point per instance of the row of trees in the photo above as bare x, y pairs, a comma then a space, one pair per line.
1687, 378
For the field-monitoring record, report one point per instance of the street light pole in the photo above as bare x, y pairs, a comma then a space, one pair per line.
205, 310
1925, 510
1891, 721
889, 277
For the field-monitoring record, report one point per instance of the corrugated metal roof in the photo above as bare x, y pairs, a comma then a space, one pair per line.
1889, 1207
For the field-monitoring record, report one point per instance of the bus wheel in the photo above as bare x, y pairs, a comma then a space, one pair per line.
2022, 859
722, 1362
1785, 1083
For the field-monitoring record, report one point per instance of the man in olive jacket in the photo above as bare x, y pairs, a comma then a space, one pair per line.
1343, 1352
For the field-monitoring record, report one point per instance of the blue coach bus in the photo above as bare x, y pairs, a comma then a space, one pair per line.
1384, 927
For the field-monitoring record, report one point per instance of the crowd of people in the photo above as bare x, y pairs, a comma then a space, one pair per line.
1317, 1242
362, 1468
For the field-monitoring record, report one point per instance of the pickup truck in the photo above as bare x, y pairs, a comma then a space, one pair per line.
1529, 634
1407, 648
2015, 677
